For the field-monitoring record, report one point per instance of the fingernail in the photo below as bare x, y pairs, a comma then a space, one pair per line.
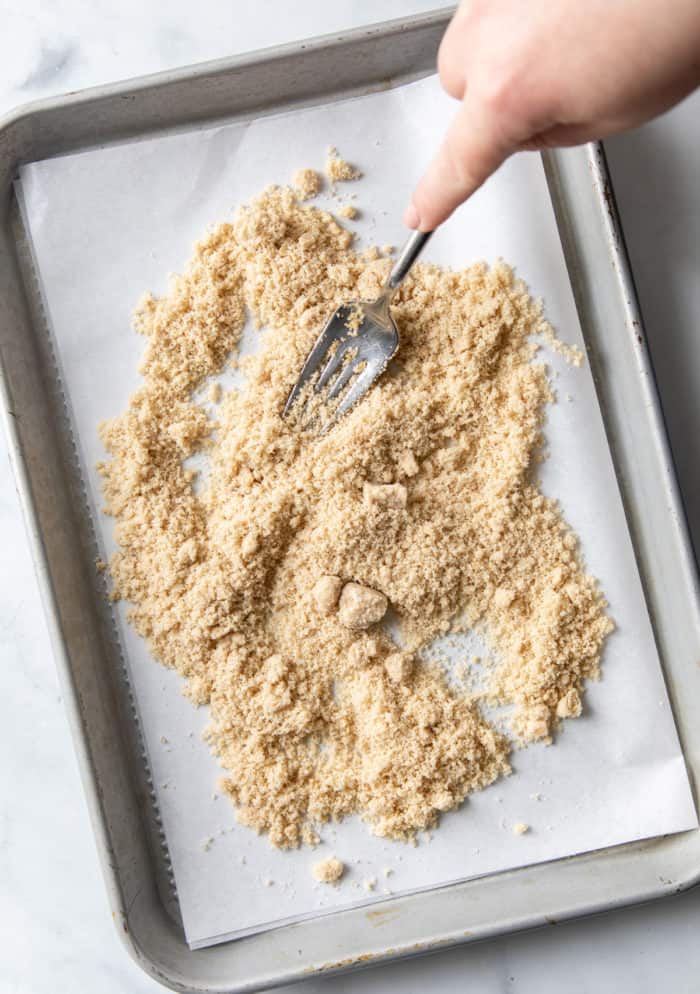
411, 218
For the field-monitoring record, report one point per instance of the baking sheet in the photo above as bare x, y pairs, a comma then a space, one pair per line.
108, 224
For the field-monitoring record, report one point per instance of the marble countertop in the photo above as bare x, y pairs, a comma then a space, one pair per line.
56, 928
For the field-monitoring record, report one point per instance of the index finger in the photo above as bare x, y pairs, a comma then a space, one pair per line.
473, 148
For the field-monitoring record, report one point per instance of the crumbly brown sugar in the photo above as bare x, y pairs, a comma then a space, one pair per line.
338, 170
424, 495
328, 871
306, 183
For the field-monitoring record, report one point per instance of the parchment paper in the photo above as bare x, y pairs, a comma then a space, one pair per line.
107, 225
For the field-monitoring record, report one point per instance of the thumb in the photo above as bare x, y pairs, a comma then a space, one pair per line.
473, 148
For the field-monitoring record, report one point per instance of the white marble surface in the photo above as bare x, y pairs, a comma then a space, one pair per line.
55, 926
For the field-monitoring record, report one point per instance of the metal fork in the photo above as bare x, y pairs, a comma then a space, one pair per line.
349, 355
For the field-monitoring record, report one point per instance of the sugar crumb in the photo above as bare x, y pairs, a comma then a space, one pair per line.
360, 606
328, 871
338, 170
325, 593
571, 353
306, 183
353, 322
407, 463
520, 828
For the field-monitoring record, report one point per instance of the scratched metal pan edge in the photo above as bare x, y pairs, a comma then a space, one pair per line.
99, 711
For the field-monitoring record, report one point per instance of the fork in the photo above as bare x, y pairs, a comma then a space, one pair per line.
353, 350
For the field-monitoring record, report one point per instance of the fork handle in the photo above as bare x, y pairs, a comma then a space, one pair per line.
407, 256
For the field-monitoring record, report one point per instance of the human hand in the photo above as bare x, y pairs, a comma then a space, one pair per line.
547, 73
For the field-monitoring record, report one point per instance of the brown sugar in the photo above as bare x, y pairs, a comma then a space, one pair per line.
313, 719
326, 592
328, 871
399, 666
338, 170
407, 464
360, 606
306, 183
382, 496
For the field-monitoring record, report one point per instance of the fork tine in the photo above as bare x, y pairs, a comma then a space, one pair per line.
331, 366
358, 389
346, 372
313, 361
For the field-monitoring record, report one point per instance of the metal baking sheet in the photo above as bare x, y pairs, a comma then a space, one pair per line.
607, 782
577, 180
